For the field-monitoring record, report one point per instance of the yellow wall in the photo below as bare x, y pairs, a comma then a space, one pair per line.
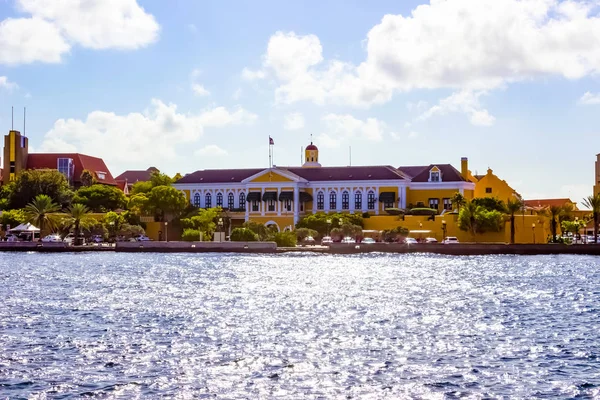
271, 177
500, 189
414, 196
523, 230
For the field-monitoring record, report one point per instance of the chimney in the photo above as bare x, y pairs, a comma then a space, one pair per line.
464, 168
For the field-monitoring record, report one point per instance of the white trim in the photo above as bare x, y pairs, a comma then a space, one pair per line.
441, 185
284, 173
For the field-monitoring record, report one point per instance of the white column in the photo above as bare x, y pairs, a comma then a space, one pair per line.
377, 202
296, 204
262, 204
326, 200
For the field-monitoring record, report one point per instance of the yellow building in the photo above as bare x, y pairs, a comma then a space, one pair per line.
489, 185
597, 176
280, 196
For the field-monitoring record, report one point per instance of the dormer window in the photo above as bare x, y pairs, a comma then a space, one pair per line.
101, 175
435, 175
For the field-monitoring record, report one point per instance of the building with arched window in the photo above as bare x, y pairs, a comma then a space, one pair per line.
284, 194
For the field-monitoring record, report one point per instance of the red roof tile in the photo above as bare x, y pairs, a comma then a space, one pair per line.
219, 175
81, 162
133, 176
358, 173
421, 173
547, 202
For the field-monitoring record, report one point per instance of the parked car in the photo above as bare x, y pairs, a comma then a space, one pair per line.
430, 240
52, 238
451, 240
368, 241
326, 241
97, 239
410, 240
348, 240
142, 238
309, 241
12, 238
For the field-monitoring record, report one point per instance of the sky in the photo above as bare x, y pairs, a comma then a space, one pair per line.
183, 85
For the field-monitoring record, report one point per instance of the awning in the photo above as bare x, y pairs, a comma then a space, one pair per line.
286, 196
27, 227
305, 197
388, 197
269, 196
253, 196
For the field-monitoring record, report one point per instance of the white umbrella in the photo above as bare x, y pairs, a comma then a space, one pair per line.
26, 227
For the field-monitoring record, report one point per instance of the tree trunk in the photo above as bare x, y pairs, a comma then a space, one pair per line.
512, 228
553, 228
595, 227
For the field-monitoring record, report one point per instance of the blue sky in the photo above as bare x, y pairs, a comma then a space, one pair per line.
186, 85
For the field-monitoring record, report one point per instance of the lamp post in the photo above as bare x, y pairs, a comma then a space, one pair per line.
533, 231
166, 231
220, 223
328, 225
444, 229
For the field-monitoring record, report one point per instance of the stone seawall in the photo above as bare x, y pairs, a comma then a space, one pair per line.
197, 247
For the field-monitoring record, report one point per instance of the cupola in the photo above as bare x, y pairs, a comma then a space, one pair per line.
311, 156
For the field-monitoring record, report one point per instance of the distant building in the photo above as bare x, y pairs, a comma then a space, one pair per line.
126, 180
17, 159
538, 204
597, 176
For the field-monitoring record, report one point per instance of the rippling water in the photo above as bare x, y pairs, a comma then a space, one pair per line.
298, 326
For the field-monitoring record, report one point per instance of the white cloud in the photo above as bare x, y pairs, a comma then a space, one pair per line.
340, 128
293, 121
7, 85
458, 44
54, 26
220, 116
397, 136
135, 140
200, 90
589, 98
466, 102
27, 40
237, 94
250, 75
212, 150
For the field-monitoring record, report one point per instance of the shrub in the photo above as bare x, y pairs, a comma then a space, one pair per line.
366, 215
190, 235
303, 233
243, 235
422, 211
395, 234
284, 239
394, 211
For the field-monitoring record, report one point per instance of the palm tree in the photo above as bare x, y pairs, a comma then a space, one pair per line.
468, 217
593, 203
78, 217
513, 206
553, 212
458, 200
41, 212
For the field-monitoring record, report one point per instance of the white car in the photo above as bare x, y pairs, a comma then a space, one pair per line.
348, 240
326, 241
142, 238
451, 240
12, 238
430, 240
410, 240
53, 238
368, 241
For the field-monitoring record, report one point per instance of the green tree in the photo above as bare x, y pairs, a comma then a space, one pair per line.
351, 230
31, 183
243, 235
477, 219
572, 226
458, 200
397, 234
101, 198
318, 221
512, 207
113, 222
77, 218
128, 231
284, 239
190, 235
12, 217
41, 212
593, 203
160, 179
490, 203
141, 187
165, 202
553, 213
205, 222
5, 194
303, 233
258, 228
87, 178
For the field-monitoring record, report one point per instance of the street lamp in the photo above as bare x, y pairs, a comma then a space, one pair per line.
533, 230
444, 229
166, 231
220, 223
328, 225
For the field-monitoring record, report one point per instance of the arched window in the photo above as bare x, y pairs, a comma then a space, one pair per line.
197, 200
243, 201
371, 200
230, 201
320, 201
219, 199
345, 200
208, 200
357, 200
332, 201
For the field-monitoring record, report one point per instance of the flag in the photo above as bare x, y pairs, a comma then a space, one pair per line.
271, 142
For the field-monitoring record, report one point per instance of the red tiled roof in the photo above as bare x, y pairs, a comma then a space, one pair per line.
133, 176
219, 175
547, 202
359, 173
81, 162
421, 173
311, 147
